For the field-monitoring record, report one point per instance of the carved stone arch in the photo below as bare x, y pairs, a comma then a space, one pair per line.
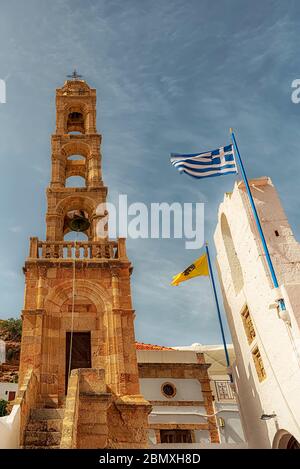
58, 295
285, 440
75, 202
75, 167
93, 321
76, 148
75, 117
75, 103
75, 170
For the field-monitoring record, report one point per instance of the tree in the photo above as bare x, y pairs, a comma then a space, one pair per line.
12, 328
3, 407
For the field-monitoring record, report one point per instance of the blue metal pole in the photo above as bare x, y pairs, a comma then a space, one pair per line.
258, 224
218, 308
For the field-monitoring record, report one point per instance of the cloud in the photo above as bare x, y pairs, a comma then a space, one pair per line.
173, 78
15, 229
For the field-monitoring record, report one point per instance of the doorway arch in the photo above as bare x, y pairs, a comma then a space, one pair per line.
285, 440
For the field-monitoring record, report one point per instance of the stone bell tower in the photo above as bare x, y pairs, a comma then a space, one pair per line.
77, 309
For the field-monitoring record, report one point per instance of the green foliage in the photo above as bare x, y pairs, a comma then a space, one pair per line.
3, 407
13, 328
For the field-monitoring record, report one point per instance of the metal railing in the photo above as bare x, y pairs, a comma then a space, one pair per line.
223, 390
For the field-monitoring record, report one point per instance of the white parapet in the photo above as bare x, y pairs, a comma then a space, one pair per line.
10, 429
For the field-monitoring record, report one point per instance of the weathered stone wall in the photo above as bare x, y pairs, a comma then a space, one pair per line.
112, 329
85, 421
70, 420
128, 422
27, 399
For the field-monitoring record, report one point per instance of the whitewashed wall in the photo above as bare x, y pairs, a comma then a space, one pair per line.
5, 388
186, 389
232, 432
279, 392
177, 414
10, 429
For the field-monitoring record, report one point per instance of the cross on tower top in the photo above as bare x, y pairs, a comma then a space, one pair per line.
75, 75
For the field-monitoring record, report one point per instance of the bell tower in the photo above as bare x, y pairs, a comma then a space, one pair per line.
75, 152
78, 323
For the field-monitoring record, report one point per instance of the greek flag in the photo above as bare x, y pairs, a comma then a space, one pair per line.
207, 164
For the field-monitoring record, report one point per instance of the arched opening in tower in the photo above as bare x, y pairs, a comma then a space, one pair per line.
76, 157
75, 171
233, 260
78, 223
75, 181
75, 122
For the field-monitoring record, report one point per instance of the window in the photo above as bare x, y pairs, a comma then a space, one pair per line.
75, 121
259, 366
248, 325
75, 118
176, 436
168, 390
11, 395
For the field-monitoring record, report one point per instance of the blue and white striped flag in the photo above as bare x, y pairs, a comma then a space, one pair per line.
207, 164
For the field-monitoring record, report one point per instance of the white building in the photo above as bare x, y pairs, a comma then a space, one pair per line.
266, 342
228, 416
8, 391
199, 387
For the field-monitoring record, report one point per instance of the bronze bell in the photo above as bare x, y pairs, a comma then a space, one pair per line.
78, 221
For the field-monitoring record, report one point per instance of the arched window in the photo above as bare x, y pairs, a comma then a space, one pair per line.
76, 221
285, 440
75, 122
76, 158
233, 260
75, 169
75, 181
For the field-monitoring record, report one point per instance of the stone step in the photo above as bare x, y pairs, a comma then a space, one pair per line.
50, 401
38, 438
49, 425
46, 414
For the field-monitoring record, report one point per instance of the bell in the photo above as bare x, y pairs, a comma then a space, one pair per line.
77, 221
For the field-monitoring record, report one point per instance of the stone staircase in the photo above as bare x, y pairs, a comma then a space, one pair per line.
43, 430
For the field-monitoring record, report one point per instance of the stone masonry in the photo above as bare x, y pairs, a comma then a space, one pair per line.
82, 287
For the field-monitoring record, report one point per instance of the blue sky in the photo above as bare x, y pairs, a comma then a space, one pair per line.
170, 76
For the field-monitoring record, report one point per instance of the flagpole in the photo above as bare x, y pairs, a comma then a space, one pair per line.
256, 217
218, 309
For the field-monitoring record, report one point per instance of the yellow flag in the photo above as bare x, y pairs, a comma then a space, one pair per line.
199, 267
